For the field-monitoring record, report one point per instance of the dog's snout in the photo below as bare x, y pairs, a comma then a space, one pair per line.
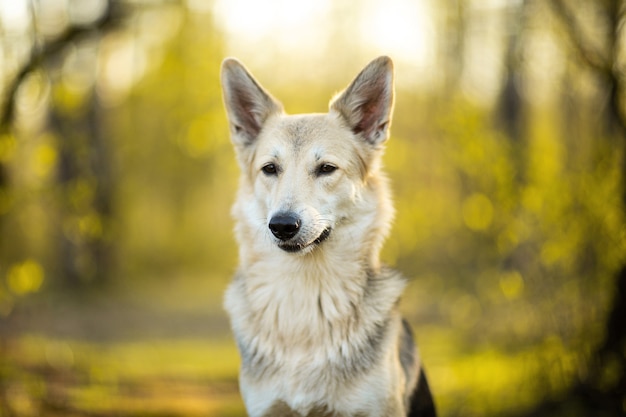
284, 225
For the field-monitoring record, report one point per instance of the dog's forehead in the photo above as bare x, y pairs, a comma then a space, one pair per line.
305, 132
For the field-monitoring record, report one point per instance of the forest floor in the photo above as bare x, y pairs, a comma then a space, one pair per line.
144, 350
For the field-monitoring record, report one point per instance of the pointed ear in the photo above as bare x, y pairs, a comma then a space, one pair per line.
247, 104
367, 103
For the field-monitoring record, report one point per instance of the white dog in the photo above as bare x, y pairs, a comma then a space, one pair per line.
314, 313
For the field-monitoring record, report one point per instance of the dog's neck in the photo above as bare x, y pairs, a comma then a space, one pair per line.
304, 300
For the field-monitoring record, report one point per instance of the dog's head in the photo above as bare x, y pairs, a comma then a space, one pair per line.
304, 177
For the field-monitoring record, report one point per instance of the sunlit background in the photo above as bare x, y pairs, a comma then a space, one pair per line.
117, 176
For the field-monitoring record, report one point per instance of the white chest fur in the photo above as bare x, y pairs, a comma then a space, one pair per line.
313, 331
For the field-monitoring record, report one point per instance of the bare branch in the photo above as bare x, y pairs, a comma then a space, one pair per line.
50, 50
591, 54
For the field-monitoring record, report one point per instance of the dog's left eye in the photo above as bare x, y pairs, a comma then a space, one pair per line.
270, 169
326, 169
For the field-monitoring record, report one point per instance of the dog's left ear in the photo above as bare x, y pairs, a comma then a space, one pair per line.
367, 103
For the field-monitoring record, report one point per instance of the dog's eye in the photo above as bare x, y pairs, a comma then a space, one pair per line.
269, 169
326, 169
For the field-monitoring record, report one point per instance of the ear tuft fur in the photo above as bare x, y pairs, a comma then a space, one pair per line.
247, 104
367, 103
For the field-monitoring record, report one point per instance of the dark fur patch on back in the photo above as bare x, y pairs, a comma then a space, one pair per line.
422, 404
408, 359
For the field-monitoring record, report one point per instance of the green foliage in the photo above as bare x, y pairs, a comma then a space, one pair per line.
511, 248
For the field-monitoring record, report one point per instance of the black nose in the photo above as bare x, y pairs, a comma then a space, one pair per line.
284, 225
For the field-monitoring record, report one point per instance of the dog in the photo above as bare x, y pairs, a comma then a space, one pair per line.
313, 311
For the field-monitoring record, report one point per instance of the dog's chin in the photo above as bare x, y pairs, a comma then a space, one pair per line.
305, 247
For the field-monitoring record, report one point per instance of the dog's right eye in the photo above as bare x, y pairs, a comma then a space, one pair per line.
269, 169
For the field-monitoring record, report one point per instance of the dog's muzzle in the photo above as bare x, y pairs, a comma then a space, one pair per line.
285, 227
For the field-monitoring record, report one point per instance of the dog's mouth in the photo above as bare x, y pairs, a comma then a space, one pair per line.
293, 247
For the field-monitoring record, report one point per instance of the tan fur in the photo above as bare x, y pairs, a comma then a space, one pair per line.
314, 312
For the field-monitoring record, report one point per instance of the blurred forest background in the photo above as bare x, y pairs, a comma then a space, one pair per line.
117, 175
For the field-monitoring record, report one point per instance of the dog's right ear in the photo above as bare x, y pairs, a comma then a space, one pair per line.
248, 105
